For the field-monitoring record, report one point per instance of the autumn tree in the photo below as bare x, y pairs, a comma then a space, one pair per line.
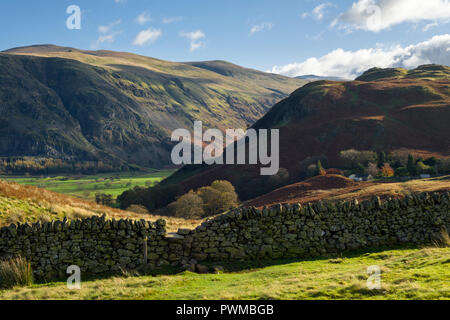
387, 170
320, 170
219, 197
188, 206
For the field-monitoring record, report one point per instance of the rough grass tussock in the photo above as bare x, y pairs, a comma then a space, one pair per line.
15, 272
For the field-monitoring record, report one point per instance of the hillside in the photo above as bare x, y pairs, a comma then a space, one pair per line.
338, 188
121, 108
20, 204
383, 110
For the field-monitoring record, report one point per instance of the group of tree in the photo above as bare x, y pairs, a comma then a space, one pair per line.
396, 164
104, 199
207, 201
48, 166
419, 166
152, 198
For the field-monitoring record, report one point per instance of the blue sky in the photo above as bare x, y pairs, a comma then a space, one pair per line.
264, 34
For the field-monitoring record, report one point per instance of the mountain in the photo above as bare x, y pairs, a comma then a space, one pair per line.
311, 77
119, 107
383, 110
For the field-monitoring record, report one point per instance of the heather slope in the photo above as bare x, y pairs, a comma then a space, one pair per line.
384, 110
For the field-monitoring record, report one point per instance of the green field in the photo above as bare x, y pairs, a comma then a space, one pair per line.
86, 187
413, 273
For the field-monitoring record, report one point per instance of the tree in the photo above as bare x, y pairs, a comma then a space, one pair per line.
401, 172
387, 171
152, 198
381, 159
443, 165
352, 157
279, 179
431, 162
373, 169
360, 169
320, 170
311, 170
104, 199
188, 206
411, 165
219, 197
423, 168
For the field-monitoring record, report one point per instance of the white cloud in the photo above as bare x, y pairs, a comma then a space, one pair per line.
109, 27
377, 15
261, 27
194, 38
106, 38
350, 64
171, 20
107, 34
143, 18
430, 26
319, 11
147, 36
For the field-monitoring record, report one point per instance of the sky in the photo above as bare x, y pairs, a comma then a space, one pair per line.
290, 37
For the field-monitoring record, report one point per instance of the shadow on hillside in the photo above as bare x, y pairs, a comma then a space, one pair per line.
250, 266
232, 267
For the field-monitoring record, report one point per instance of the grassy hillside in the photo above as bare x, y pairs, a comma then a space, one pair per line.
390, 110
406, 274
19, 203
120, 107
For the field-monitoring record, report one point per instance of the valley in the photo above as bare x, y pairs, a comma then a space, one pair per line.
237, 159
120, 108
89, 126
86, 186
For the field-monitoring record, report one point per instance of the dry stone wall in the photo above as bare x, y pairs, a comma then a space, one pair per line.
96, 245
291, 231
99, 245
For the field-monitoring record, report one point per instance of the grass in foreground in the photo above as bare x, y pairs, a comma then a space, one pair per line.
406, 274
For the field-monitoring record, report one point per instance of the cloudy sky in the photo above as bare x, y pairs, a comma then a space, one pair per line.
290, 37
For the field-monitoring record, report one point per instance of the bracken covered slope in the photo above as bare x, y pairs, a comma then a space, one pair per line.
383, 110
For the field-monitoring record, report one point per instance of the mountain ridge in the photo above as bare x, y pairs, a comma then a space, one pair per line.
118, 106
